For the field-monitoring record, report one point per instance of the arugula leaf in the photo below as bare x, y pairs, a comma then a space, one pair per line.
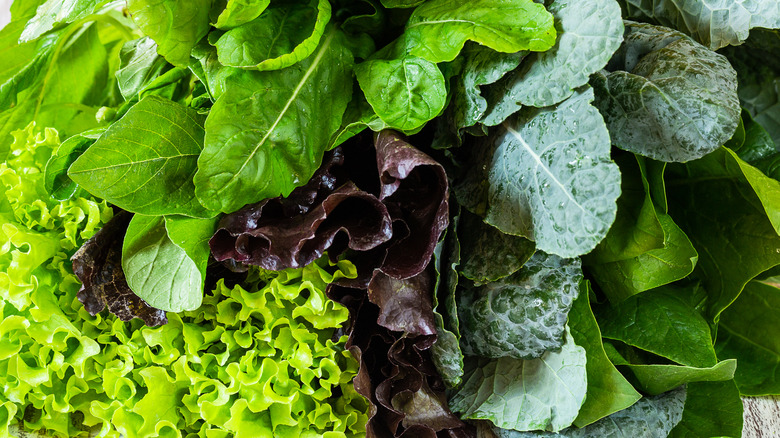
523, 315
656, 379
546, 175
238, 12
608, 391
539, 394
438, 29
278, 38
711, 409
176, 25
267, 132
667, 97
589, 32
154, 177
56, 180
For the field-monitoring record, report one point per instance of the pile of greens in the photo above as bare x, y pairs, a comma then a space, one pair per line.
391, 218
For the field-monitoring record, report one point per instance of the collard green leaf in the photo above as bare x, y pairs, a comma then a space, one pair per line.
55, 12
175, 25
523, 315
139, 65
731, 213
547, 175
56, 180
438, 29
405, 93
282, 36
267, 132
667, 97
539, 394
714, 23
711, 409
489, 254
748, 332
159, 271
589, 32
662, 322
154, 175
655, 379
238, 12
650, 417
608, 391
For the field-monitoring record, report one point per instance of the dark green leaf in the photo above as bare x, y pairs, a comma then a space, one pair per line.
154, 175
758, 144
657, 379
711, 409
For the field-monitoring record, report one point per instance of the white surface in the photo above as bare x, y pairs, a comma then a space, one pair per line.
5, 12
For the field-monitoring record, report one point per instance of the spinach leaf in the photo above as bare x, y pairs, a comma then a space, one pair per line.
608, 391
547, 175
267, 132
139, 65
667, 97
238, 12
523, 315
656, 378
176, 26
282, 36
539, 394
711, 409
154, 175
56, 180
589, 32
54, 12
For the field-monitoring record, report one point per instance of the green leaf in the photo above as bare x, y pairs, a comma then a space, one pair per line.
539, 394
662, 322
589, 32
158, 270
55, 12
523, 315
547, 175
731, 213
657, 379
489, 254
649, 417
139, 65
748, 331
154, 175
238, 12
714, 23
758, 144
667, 97
401, 3
279, 38
176, 25
405, 93
267, 132
438, 29
711, 409
192, 235
56, 180
608, 391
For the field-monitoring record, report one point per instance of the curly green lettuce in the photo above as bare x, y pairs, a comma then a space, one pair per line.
258, 360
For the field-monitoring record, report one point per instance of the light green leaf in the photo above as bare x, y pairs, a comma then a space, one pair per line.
547, 175
176, 25
650, 417
656, 379
154, 175
158, 270
714, 23
438, 29
267, 132
405, 93
667, 97
56, 180
711, 409
589, 32
608, 391
55, 12
139, 65
279, 38
748, 331
192, 235
523, 315
539, 394
238, 12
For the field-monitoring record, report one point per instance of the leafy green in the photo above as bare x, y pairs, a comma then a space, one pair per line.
711, 409
667, 97
54, 12
56, 180
238, 12
267, 132
656, 379
140, 64
539, 394
154, 177
546, 175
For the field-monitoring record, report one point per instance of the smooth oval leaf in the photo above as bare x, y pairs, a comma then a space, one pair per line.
238, 12
55, 179
438, 29
139, 65
159, 271
145, 162
656, 379
547, 175
279, 38
54, 12
266, 134
405, 93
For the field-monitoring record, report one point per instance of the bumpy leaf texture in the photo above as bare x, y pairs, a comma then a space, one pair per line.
98, 264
